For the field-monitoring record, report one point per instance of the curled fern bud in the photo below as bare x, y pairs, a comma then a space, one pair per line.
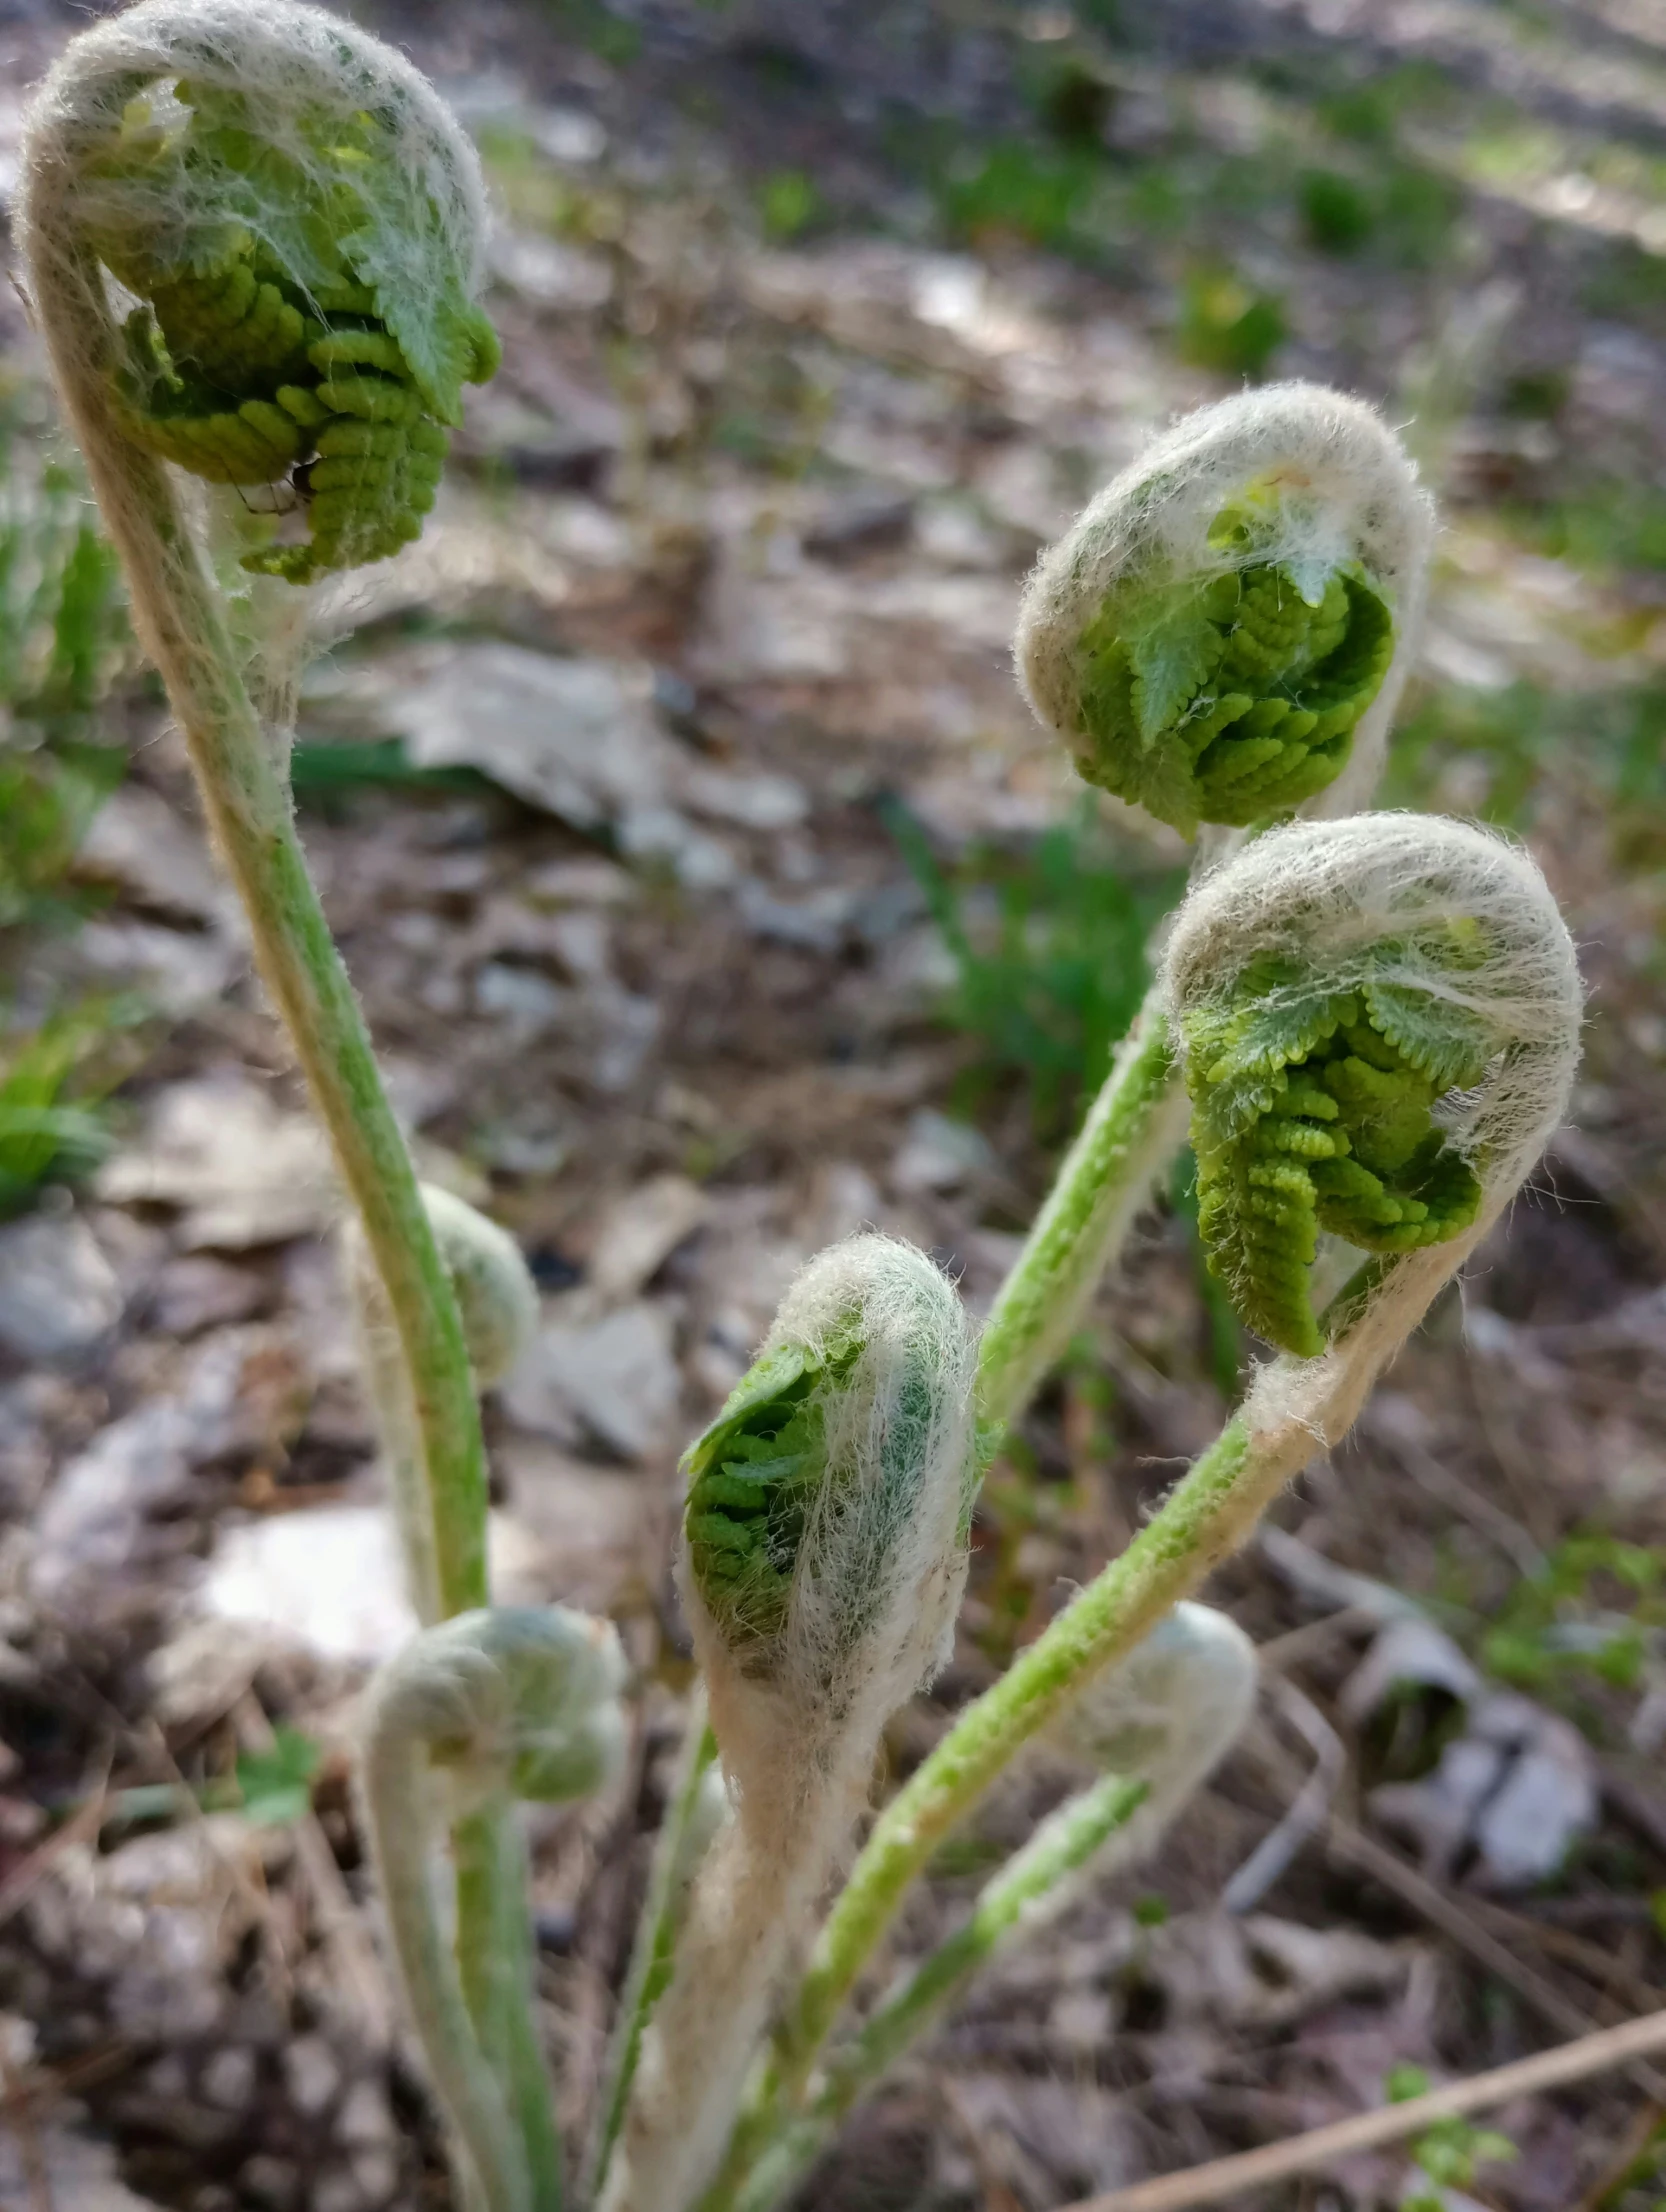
824, 1556
510, 1702
517, 1699
300, 220
823, 1561
1227, 623
1376, 1018
1167, 1714
496, 1295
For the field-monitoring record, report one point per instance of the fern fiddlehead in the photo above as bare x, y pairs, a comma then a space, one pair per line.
274, 341
1346, 1003
1215, 636
824, 1555
1315, 1109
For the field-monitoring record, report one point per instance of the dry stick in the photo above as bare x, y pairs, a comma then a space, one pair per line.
1226, 2179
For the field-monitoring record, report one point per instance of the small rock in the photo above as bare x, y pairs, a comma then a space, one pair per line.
364, 2122
327, 1579
312, 2074
939, 1154
272, 2182
80, 2173
376, 2177
578, 738
203, 1669
584, 1525
139, 844
197, 1292
228, 2079
58, 1293
243, 1171
639, 1232
238, 1392
758, 802
615, 1380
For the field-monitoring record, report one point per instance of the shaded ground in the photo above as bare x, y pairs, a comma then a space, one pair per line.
818, 323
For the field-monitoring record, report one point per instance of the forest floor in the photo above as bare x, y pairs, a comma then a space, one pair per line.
711, 893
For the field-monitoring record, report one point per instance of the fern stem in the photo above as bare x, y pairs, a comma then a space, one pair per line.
770, 2155
1135, 1126
183, 628
656, 1933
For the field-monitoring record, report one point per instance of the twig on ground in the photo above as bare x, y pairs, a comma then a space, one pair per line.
1632, 2146
1457, 1922
342, 1932
1225, 2180
82, 1827
1271, 1857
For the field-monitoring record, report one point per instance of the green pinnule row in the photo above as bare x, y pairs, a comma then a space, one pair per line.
1315, 1109
269, 347
752, 1477
1229, 696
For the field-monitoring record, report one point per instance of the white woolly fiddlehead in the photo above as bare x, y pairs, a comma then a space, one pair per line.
511, 1702
1224, 632
299, 220
1379, 1020
498, 1303
824, 1559
1166, 1715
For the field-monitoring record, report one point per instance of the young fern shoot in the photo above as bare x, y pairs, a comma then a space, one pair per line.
1156, 1726
824, 1557
1456, 924
497, 1302
492, 1705
253, 238
1221, 636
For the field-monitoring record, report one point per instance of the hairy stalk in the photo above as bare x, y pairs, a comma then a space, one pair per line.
486, 1707
685, 1834
1341, 887
824, 1557
1008, 1905
144, 156
1157, 1725
1134, 1128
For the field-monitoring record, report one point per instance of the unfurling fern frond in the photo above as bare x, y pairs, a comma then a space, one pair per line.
754, 1474
277, 340
1232, 696
1224, 629
1365, 1011
1314, 1109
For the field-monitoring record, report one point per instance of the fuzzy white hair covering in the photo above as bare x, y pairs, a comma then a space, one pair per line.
1167, 1714
288, 59
875, 1590
1372, 896
1349, 492
294, 62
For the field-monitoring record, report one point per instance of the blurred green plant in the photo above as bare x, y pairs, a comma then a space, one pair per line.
1499, 753
1336, 214
1594, 1608
1226, 325
271, 1788
62, 632
1042, 195
1049, 947
1450, 2151
788, 203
